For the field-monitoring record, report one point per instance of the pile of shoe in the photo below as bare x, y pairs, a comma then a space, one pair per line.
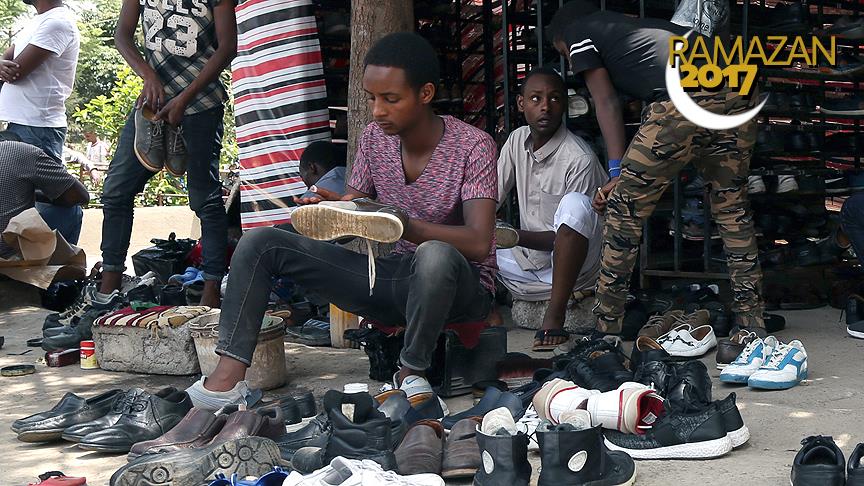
768, 364
649, 312
184, 288
67, 329
821, 462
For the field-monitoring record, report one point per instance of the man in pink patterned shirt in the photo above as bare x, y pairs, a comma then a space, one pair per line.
433, 178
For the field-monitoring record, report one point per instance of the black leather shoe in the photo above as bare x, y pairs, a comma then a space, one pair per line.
820, 462
77, 432
689, 388
147, 417
571, 456
366, 436
603, 369
645, 350
855, 469
313, 434
493, 399
71, 410
676, 435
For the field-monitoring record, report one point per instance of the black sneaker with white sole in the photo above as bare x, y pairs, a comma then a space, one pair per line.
820, 462
856, 329
677, 435
737, 431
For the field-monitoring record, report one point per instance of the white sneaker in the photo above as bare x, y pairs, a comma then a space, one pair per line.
749, 361
496, 420
786, 183
558, 396
579, 419
632, 408
528, 425
414, 385
690, 343
211, 400
351, 472
786, 367
755, 185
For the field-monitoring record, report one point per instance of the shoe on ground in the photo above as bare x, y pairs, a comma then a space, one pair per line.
855, 469
422, 449
558, 396
352, 472
493, 399
688, 387
149, 140
70, 316
786, 183
70, 337
786, 367
461, 452
119, 407
147, 417
646, 349
661, 324
755, 354
856, 329
213, 401
503, 452
571, 456
729, 349
677, 435
331, 220
505, 235
528, 425
854, 309
755, 185
175, 156
632, 408
684, 341
197, 429
365, 435
57, 478
820, 462
736, 430
246, 456
69, 411
313, 434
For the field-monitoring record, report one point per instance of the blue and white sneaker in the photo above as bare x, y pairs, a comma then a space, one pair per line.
754, 355
786, 367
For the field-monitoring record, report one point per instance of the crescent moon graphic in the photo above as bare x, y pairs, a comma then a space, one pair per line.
695, 113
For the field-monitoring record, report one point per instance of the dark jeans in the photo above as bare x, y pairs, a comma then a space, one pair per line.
423, 290
852, 218
49, 139
66, 220
202, 133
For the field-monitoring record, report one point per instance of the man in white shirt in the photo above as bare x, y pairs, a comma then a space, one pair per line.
38, 72
557, 249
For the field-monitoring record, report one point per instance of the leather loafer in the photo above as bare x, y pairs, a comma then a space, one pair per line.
262, 422
146, 417
196, 429
422, 449
77, 432
70, 410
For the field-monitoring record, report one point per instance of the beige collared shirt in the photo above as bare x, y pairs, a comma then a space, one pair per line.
564, 164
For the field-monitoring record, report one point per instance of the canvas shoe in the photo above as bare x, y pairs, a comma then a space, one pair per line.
632, 408
820, 462
503, 452
755, 185
558, 396
572, 456
786, 183
786, 367
684, 341
70, 316
749, 361
331, 220
149, 143
175, 158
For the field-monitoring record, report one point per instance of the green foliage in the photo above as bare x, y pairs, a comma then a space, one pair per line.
98, 60
12, 12
106, 114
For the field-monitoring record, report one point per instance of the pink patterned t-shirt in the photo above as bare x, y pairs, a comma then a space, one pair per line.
463, 166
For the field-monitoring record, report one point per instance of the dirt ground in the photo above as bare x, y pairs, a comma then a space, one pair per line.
826, 404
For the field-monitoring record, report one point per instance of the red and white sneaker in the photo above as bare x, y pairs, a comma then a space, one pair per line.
632, 408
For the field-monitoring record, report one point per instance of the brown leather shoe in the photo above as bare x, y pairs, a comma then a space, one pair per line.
196, 429
729, 349
262, 422
331, 220
422, 449
462, 453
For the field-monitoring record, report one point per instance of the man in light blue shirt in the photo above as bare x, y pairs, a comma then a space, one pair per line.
319, 167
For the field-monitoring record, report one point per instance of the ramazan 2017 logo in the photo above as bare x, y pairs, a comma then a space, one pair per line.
701, 70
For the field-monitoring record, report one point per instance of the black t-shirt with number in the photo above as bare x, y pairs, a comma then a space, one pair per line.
634, 51
179, 39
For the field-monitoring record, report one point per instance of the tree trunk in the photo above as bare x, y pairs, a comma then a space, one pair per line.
370, 21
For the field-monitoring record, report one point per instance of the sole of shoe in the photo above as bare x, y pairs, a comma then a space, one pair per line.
739, 437
735, 379
72, 438
694, 450
40, 435
327, 223
103, 448
145, 161
249, 456
855, 334
692, 353
175, 173
459, 473
506, 238
773, 385
722, 366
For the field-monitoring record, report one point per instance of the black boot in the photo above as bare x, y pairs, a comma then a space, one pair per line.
579, 457
505, 460
367, 436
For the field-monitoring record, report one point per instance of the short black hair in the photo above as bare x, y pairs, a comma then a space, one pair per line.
565, 16
7, 136
544, 71
319, 153
407, 51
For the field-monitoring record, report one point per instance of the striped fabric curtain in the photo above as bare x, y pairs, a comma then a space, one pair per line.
280, 104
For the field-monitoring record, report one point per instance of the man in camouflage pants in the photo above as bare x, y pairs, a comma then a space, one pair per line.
619, 53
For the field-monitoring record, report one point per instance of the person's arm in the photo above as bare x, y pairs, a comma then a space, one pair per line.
473, 239
30, 58
55, 183
506, 173
153, 93
76, 195
537, 240
611, 122
226, 37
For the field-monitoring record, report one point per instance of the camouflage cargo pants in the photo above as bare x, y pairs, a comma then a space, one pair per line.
664, 144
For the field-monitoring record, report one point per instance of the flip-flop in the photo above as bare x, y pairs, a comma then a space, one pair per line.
541, 336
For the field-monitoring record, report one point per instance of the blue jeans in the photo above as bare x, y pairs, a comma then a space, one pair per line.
66, 220
852, 219
202, 133
46, 138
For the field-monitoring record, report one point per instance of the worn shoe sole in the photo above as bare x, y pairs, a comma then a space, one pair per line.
739, 437
693, 450
506, 237
40, 435
459, 473
326, 223
249, 456
104, 448
72, 438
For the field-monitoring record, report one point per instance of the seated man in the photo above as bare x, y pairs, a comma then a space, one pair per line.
320, 168
555, 174
434, 180
24, 169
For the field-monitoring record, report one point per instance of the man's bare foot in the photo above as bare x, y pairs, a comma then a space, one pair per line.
210, 296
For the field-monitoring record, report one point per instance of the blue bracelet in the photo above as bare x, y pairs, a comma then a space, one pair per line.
614, 168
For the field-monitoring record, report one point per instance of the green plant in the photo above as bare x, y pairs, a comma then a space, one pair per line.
106, 115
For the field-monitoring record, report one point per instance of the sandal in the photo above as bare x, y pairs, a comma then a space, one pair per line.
541, 336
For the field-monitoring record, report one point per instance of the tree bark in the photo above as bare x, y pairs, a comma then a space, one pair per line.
370, 21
